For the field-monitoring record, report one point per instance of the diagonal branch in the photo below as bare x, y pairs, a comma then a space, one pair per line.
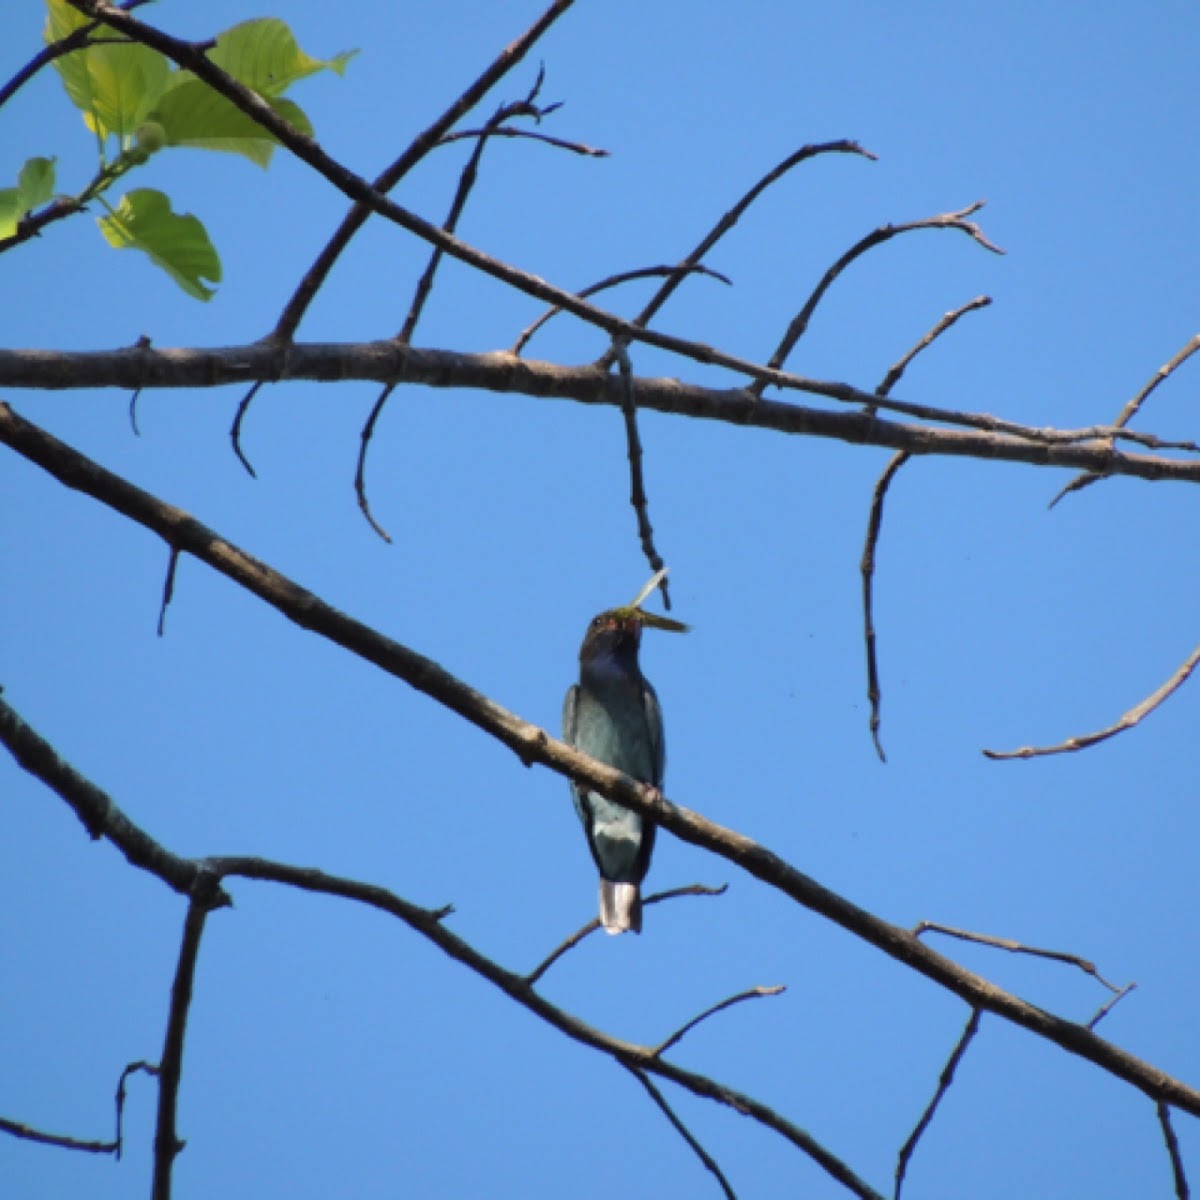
944, 1082
953, 220
1182, 1191
986, 437
509, 57
532, 745
695, 889
680, 1128
516, 987
1133, 717
754, 993
1133, 407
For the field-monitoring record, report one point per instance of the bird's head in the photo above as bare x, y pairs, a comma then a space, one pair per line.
617, 632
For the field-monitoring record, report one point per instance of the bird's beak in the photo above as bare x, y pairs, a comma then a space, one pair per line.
657, 622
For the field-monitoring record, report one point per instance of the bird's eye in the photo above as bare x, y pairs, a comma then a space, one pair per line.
597, 622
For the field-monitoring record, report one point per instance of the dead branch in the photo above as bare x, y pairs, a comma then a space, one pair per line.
753, 993
1133, 717
1015, 947
1182, 1191
387, 362
798, 327
533, 745
695, 889
944, 1082
680, 1128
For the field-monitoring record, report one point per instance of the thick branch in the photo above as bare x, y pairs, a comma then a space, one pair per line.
385, 362
533, 745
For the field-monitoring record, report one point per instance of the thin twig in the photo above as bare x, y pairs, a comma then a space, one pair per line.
612, 281
63, 1141
131, 1069
466, 183
508, 58
1133, 717
533, 135
953, 220
753, 993
637, 485
518, 989
867, 567
1110, 1004
168, 588
235, 430
680, 1128
167, 1144
94, 807
1132, 408
947, 1077
731, 218
948, 321
1182, 1191
695, 889
875, 517
1015, 947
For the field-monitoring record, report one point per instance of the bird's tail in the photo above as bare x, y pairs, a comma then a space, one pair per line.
620, 907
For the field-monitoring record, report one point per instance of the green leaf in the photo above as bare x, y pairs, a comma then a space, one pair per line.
36, 182
192, 114
263, 54
177, 243
114, 85
35, 185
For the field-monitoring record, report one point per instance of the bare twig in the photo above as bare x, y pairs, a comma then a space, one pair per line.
897, 369
132, 1069
63, 1141
533, 744
95, 808
612, 281
731, 218
1133, 407
1015, 947
515, 986
875, 517
168, 589
1133, 717
947, 1077
466, 182
1182, 1191
953, 220
167, 1145
533, 135
235, 430
1110, 1004
867, 567
680, 1128
509, 57
753, 993
695, 889
637, 486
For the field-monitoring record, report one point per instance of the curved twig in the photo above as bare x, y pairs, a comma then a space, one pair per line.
695, 889
796, 330
523, 338
1133, 717
753, 993
1182, 1191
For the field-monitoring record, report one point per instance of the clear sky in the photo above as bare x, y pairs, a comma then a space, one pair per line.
331, 1052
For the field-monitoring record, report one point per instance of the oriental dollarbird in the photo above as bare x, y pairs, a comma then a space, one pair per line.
612, 713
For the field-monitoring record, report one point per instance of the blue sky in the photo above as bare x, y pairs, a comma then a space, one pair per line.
331, 1051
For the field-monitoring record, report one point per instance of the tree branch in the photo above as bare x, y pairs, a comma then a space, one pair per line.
533, 745
388, 362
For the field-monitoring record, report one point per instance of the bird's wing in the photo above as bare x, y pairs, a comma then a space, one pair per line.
654, 730
570, 726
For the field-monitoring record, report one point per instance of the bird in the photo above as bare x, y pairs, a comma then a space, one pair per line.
613, 714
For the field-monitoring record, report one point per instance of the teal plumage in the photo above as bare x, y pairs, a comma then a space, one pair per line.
613, 714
